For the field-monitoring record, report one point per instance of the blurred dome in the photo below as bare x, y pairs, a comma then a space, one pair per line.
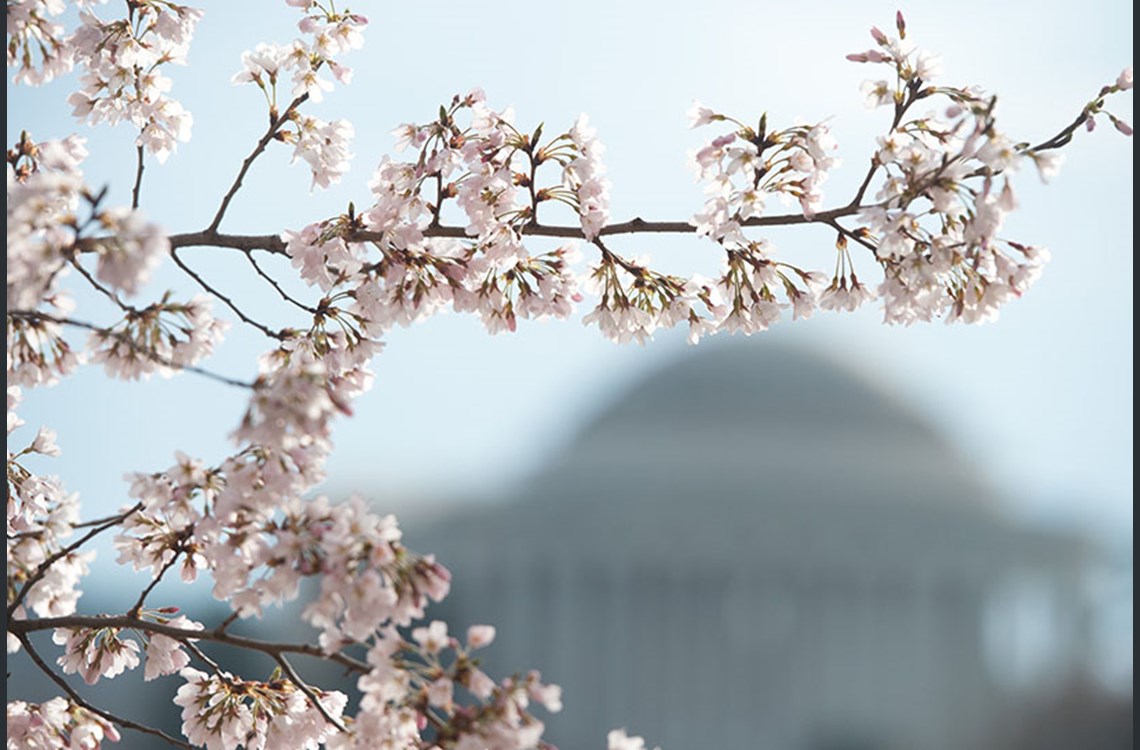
778, 421
752, 547
705, 453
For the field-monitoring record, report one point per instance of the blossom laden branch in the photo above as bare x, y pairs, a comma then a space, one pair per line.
128, 343
96, 732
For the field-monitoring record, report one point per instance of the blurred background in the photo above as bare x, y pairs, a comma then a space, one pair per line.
754, 547
832, 535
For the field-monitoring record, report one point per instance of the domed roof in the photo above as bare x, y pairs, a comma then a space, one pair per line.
752, 386
745, 445
735, 552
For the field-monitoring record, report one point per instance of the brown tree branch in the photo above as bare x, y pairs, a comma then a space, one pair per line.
274, 244
275, 123
137, 189
217, 635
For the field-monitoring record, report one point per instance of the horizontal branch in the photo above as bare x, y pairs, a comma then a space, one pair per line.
274, 244
217, 635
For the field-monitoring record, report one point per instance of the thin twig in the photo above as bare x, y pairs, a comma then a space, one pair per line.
201, 655
134, 611
225, 300
275, 124
98, 286
308, 691
138, 180
230, 620
273, 282
1065, 135
78, 699
900, 110
98, 521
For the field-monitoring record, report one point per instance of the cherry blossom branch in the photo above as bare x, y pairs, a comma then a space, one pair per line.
274, 244
613, 257
99, 521
275, 123
78, 699
42, 568
217, 635
270, 243
1062, 138
137, 189
35, 315
225, 300
224, 624
900, 110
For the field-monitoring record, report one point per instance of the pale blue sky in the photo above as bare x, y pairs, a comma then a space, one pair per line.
1040, 402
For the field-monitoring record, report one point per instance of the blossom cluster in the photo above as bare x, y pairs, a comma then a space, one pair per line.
935, 226
223, 712
43, 572
57, 723
105, 652
389, 270
37, 45
122, 80
324, 146
48, 235
163, 337
745, 166
634, 300
45, 189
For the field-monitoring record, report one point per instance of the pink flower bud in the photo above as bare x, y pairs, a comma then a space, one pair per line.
1122, 126
879, 36
1124, 80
